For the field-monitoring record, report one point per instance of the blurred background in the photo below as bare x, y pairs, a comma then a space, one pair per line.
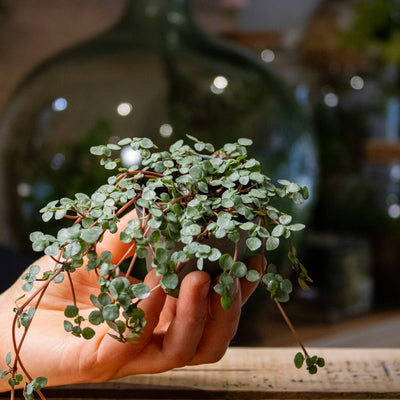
314, 83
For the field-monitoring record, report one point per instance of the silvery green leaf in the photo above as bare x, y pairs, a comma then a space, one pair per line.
296, 227
140, 290
110, 165
146, 143
203, 187
34, 269
59, 214
252, 275
91, 235
125, 141
285, 219
215, 255
293, 187
286, 286
238, 269
245, 142
169, 281
226, 262
253, 243
196, 172
110, 312
113, 146
47, 216
272, 243
277, 231
52, 250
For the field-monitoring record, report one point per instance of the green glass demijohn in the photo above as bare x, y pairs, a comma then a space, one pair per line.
154, 74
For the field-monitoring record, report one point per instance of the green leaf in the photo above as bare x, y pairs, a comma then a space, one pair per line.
40, 382
285, 219
140, 290
253, 275
146, 143
312, 370
169, 281
104, 299
96, 317
110, 165
214, 255
246, 226
71, 311
8, 358
253, 243
91, 235
46, 217
245, 142
277, 231
286, 286
34, 269
110, 312
226, 262
321, 362
272, 243
68, 326
226, 301
238, 269
299, 360
196, 172
88, 333
125, 141
113, 146
296, 227
27, 287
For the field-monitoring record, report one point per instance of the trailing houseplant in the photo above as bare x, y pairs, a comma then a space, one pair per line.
187, 208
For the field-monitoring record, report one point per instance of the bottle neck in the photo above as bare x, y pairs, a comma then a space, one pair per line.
147, 22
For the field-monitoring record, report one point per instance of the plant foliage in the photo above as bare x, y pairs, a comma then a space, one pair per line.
183, 197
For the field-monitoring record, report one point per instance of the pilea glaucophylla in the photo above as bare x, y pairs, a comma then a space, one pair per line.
184, 198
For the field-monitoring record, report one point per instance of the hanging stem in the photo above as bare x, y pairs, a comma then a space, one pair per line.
291, 327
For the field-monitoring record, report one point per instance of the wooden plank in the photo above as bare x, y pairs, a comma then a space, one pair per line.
381, 151
260, 373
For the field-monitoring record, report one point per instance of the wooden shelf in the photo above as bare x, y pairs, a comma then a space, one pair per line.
381, 151
260, 373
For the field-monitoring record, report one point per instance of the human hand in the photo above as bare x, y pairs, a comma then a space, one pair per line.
192, 329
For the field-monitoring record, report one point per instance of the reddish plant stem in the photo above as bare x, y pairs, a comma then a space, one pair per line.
181, 198
129, 270
128, 204
235, 254
72, 287
124, 256
71, 216
148, 173
291, 327
17, 347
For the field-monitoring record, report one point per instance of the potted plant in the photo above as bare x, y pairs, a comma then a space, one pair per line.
192, 207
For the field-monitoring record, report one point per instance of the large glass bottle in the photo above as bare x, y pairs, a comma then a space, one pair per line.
155, 74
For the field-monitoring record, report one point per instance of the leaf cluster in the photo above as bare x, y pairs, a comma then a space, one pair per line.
312, 363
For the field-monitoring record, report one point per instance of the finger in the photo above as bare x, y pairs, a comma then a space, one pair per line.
220, 327
121, 353
186, 329
179, 344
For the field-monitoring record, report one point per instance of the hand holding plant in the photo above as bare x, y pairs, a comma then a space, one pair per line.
191, 329
168, 211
